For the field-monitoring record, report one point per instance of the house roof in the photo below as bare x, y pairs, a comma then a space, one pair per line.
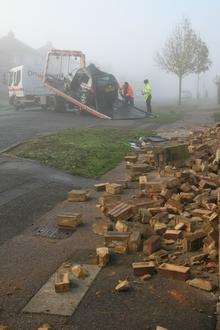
9, 44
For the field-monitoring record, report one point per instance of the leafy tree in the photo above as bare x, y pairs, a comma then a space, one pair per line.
202, 63
179, 53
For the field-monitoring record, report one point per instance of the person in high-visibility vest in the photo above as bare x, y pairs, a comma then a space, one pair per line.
128, 94
147, 92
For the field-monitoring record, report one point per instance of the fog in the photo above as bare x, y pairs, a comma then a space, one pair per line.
121, 36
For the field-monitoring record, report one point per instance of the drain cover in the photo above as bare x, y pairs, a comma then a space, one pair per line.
51, 231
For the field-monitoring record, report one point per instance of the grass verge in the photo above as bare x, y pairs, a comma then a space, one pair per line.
166, 117
217, 117
85, 152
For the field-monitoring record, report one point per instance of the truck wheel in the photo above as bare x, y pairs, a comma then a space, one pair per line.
60, 104
16, 104
11, 100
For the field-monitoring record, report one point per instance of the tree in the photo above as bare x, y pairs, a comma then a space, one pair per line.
179, 53
203, 62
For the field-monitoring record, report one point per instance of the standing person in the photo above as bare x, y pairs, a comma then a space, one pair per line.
147, 92
128, 94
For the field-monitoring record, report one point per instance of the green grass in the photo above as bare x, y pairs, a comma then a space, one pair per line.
217, 117
167, 117
85, 152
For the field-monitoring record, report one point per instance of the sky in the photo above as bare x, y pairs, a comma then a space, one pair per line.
121, 36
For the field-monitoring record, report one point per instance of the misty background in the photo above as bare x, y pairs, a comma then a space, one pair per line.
120, 36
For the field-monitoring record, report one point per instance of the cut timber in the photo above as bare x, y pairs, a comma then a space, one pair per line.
134, 243
159, 256
173, 234
217, 157
4, 327
100, 186
186, 197
114, 236
198, 257
114, 188
180, 226
121, 227
122, 286
79, 271
151, 245
166, 193
174, 206
144, 216
193, 241
201, 284
209, 245
143, 268
101, 227
119, 247
108, 199
172, 154
174, 271
172, 183
131, 158
186, 187
153, 187
206, 184
123, 211
156, 210
201, 213
139, 169
142, 181
78, 196
145, 278
160, 228
146, 204
103, 256
62, 282
190, 224
69, 221
45, 326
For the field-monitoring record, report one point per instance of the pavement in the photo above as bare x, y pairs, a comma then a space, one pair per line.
30, 195
28, 261
28, 190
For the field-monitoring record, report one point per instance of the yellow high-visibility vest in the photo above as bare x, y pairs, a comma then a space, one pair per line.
147, 91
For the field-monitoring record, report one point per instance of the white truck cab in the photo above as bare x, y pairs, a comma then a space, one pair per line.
25, 87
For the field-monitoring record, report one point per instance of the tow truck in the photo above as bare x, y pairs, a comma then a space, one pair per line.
67, 82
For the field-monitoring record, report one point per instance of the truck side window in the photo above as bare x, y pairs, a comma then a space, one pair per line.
17, 78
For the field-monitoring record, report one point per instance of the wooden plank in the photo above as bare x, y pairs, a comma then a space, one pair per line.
81, 106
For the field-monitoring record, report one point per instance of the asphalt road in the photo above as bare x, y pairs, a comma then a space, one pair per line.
28, 191
27, 262
26, 188
17, 126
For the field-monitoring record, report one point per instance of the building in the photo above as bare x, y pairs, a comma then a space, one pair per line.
13, 52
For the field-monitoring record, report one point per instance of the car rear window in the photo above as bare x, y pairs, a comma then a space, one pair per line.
104, 80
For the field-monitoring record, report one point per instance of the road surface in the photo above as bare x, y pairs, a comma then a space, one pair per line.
27, 191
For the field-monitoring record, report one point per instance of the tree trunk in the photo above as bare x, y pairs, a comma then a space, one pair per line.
180, 90
198, 87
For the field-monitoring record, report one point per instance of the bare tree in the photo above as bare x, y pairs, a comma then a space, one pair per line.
178, 54
202, 63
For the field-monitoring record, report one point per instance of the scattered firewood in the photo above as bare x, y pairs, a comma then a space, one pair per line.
123, 285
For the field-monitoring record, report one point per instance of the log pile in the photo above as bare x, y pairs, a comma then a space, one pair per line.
173, 216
